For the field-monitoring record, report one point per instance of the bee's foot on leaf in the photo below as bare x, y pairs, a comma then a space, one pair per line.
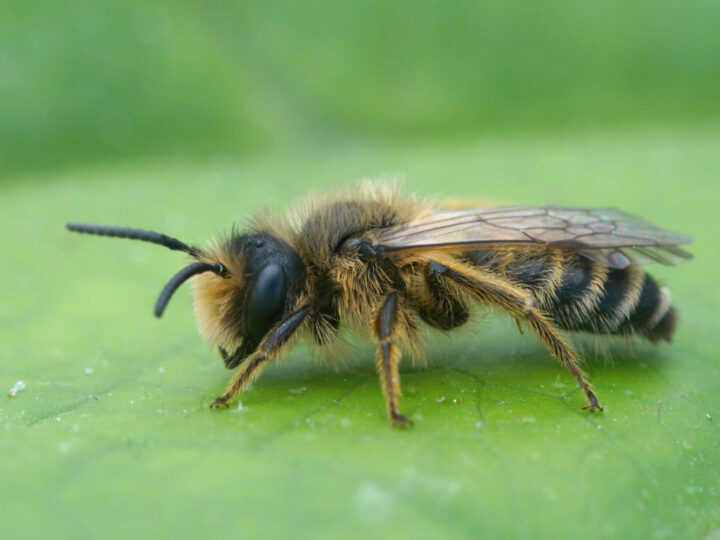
400, 421
594, 405
220, 402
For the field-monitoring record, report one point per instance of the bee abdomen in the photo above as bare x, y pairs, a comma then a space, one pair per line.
653, 316
587, 296
601, 300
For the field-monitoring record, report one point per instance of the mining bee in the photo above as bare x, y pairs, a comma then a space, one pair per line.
382, 262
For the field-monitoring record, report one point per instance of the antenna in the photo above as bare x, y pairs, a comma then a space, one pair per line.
162, 240
181, 277
134, 234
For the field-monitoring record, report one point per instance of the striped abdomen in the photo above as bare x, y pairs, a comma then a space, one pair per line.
583, 295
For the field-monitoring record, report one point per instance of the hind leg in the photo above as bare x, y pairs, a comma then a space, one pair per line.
502, 294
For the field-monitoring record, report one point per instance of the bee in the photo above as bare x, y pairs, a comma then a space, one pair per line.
388, 264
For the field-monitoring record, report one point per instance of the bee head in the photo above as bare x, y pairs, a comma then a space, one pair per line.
243, 285
262, 280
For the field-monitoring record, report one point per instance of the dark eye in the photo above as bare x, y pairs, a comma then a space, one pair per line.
266, 300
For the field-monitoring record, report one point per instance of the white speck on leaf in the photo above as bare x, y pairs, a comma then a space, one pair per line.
708, 416
161, 369
240, 406
441, 399
17, 387
89, 370
298, 390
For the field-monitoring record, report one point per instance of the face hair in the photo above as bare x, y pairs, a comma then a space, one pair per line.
182, 276
161, 240
134, 234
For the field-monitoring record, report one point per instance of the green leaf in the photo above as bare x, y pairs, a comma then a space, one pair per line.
112, 435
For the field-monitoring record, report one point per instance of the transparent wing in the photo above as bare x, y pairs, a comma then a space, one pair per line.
606, 235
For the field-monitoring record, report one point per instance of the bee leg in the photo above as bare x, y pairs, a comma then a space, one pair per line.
438, 306
387, 358
502, 294
241, 353
268, 349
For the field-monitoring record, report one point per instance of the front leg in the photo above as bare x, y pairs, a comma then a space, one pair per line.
241, 353
387, 358
269, 347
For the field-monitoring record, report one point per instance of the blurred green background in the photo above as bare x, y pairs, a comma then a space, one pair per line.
86, 81
185, 117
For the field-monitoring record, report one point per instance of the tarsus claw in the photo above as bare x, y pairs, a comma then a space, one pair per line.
594, 404
219, 402
400, 421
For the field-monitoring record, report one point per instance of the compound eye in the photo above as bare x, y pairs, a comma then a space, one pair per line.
266, 300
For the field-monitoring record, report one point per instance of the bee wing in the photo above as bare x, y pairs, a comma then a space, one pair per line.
606, 235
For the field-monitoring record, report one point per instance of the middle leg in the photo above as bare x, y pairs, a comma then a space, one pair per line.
388, 356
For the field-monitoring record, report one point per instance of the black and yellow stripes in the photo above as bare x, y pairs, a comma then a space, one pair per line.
579, 293
631, 303
584, 295
653, 316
